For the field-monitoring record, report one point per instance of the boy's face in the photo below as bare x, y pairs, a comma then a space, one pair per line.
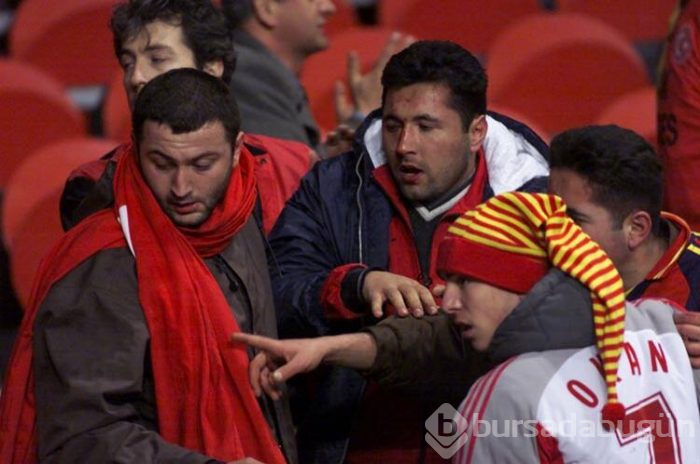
477, 308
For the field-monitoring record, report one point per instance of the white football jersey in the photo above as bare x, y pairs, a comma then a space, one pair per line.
545, 407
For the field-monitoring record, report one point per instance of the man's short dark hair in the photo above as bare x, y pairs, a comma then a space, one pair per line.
185, 100
204, 28
237, 11
440, 62
622, 168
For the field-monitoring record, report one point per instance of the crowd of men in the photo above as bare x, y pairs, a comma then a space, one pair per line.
231, 288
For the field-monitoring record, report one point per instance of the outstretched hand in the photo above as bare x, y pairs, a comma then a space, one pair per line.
366, 90
406, 295
279, 360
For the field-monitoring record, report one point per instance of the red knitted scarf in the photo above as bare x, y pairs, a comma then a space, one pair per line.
203, 396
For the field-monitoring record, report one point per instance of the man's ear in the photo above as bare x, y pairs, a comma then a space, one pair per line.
215, 68
265, 11
477, 133
637, 228
237, 147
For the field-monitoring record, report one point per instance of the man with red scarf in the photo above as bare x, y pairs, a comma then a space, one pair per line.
123, 354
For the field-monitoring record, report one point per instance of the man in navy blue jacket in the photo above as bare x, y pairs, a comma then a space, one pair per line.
357, 239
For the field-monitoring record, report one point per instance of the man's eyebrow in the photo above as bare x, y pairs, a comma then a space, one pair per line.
160, 154
157, 47
420, 117
425, 118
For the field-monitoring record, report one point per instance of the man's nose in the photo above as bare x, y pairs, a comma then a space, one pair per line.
137, 77
405, 142
181, 186
328, 8
451, 299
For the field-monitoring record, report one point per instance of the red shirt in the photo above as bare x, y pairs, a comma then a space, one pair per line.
679, 116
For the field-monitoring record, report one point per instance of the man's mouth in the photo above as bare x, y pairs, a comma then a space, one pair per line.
409, 174
184, 208
467, 330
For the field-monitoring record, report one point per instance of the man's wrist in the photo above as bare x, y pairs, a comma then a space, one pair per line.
356, 351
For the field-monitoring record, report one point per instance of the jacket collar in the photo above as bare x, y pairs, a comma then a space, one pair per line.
464, 200
511, 159
675, 249
556, 314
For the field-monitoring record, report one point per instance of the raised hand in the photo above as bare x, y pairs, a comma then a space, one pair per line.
365, 90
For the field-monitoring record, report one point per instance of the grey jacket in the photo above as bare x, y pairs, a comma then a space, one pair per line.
270, 97
431, 352
94, 384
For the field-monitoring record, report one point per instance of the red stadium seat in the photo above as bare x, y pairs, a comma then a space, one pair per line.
523, 118
344, 18
42, 175
390, 11
472, 24
323, 69
69, 39
634, 110
39, 231
638, 19
35, 112
561, 69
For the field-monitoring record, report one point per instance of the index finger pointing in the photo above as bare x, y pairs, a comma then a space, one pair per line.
256, 341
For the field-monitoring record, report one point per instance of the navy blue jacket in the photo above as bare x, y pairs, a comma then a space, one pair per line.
340, 215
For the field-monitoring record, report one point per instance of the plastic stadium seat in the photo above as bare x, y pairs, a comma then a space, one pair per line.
523, 118
42, 175
116, 116
344, 18
639, 20
323, 69
40, 230
471, 23
635, 110
561, 69
35, 112
30, 214
69, 39
389, 11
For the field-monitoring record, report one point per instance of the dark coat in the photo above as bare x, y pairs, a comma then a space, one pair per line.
338, 216
94, 385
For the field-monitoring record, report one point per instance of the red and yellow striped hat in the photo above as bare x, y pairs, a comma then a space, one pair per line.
514, 238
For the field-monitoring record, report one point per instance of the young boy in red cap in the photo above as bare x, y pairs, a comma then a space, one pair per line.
525, 256
527, 259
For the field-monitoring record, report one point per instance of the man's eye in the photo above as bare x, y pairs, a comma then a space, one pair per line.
162, 165
576, 218
126, 63
157, 60
203, 166
391, 128
425, 128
